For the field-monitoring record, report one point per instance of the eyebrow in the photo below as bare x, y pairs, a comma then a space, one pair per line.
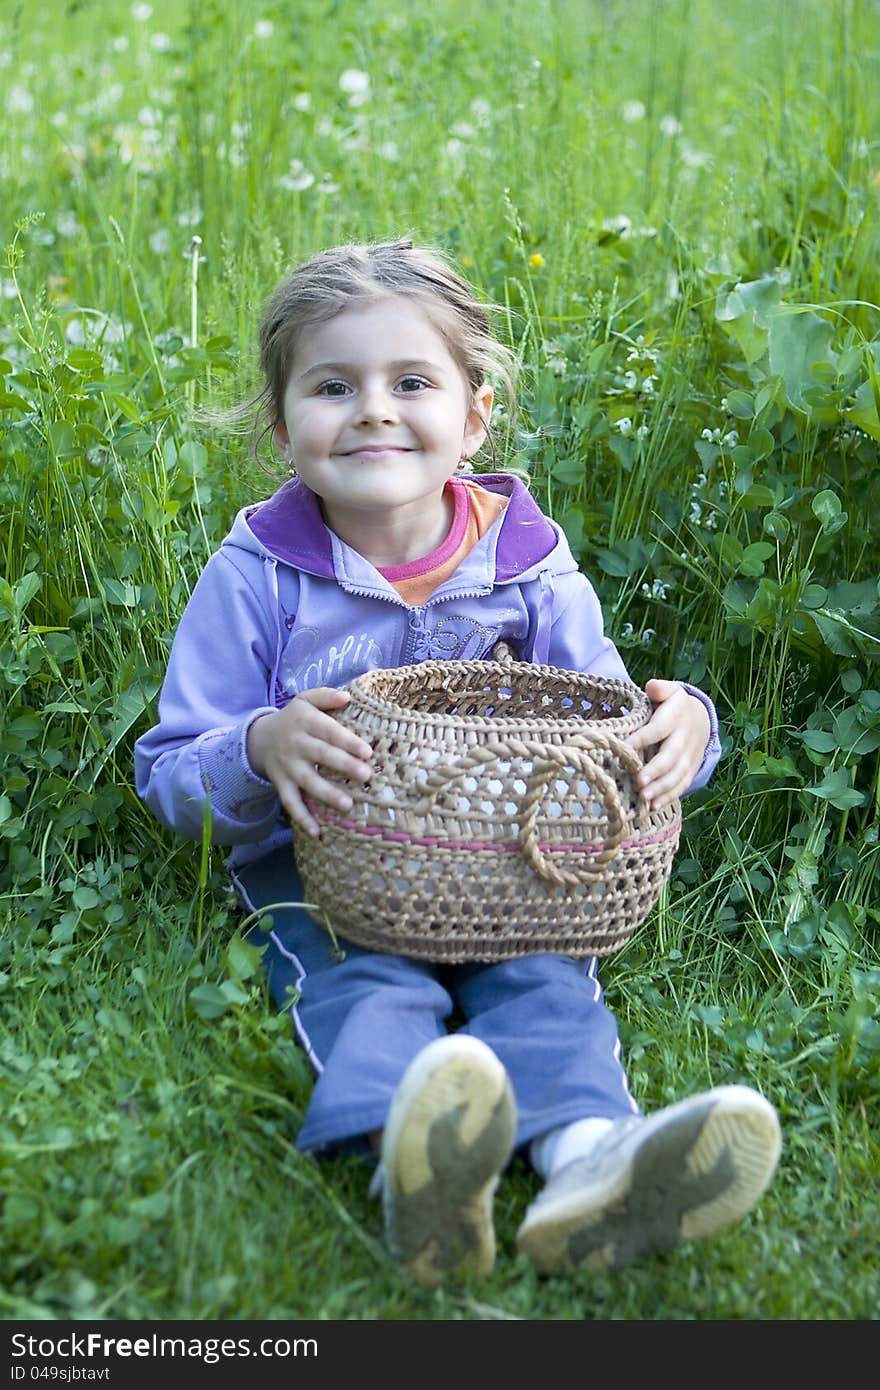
403, 364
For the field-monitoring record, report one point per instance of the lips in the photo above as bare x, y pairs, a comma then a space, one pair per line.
375, 449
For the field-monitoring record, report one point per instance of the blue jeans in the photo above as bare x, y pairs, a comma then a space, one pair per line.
361, 1020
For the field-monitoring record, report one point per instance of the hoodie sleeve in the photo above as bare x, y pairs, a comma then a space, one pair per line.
193, 763
577, 641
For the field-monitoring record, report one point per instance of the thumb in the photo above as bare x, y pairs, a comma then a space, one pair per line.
660, 690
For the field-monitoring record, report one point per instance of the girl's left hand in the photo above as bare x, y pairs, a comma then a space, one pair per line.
680, 728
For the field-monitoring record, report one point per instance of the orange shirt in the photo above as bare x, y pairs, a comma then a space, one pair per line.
476, 510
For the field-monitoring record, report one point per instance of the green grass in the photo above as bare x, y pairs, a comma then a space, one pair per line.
677, 205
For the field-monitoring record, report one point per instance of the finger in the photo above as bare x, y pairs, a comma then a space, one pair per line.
310, 781
297, 811
317, 752
320, 724
325, 697
326, 731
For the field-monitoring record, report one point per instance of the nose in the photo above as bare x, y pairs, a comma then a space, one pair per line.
377, 406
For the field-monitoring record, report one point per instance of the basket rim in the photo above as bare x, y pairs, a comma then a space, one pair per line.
385, 707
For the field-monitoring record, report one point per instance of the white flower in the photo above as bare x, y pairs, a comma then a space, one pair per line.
454, 148
624, 425
68, 223
19, 101
621, 223
630, 381
670, 125
264, 29
481, 110
356, 84
302, 101
633, 111
648, 635
160, 42
297, 177
141, 12
694, 159
327, 185
160, 241
120, 43
730, 440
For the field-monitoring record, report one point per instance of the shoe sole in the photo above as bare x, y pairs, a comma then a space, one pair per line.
450, 1131
691, 1174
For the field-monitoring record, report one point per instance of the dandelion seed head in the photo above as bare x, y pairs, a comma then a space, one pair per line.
356, 84
19, 101
633, 111
141, 12
670, 125
264, 29
297, 178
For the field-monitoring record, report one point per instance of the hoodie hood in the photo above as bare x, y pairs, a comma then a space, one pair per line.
289, 527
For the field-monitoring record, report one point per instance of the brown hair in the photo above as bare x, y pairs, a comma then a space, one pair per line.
354, 273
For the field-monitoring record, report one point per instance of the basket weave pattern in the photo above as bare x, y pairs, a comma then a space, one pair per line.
502, 817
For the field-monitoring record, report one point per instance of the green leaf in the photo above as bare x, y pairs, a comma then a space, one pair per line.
745, 312
798, 342
208, 1001
826, 508
836, 788
819, 740
777, 525
761, 444
754, 555
864, 413
741, 405
194, 457
244, 959
570, 471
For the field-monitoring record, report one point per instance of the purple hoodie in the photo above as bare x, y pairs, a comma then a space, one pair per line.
284, 606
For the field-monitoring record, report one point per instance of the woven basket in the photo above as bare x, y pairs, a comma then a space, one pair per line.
502, 817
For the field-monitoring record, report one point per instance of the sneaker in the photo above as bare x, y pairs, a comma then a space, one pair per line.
690, 1170
450, 1131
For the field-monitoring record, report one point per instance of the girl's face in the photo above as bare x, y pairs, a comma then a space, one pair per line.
378, 415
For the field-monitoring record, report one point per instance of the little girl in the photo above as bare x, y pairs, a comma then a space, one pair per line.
383, 550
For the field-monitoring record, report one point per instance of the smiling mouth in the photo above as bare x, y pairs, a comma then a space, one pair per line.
375, 450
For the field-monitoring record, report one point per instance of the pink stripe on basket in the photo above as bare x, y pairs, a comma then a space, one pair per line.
430, 842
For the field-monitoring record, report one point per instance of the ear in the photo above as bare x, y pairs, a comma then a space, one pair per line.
476, 425
280, 436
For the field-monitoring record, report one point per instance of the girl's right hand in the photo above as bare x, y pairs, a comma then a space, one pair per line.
289, 748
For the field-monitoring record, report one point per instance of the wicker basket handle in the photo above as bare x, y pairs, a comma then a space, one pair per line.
593, 865
547, 760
